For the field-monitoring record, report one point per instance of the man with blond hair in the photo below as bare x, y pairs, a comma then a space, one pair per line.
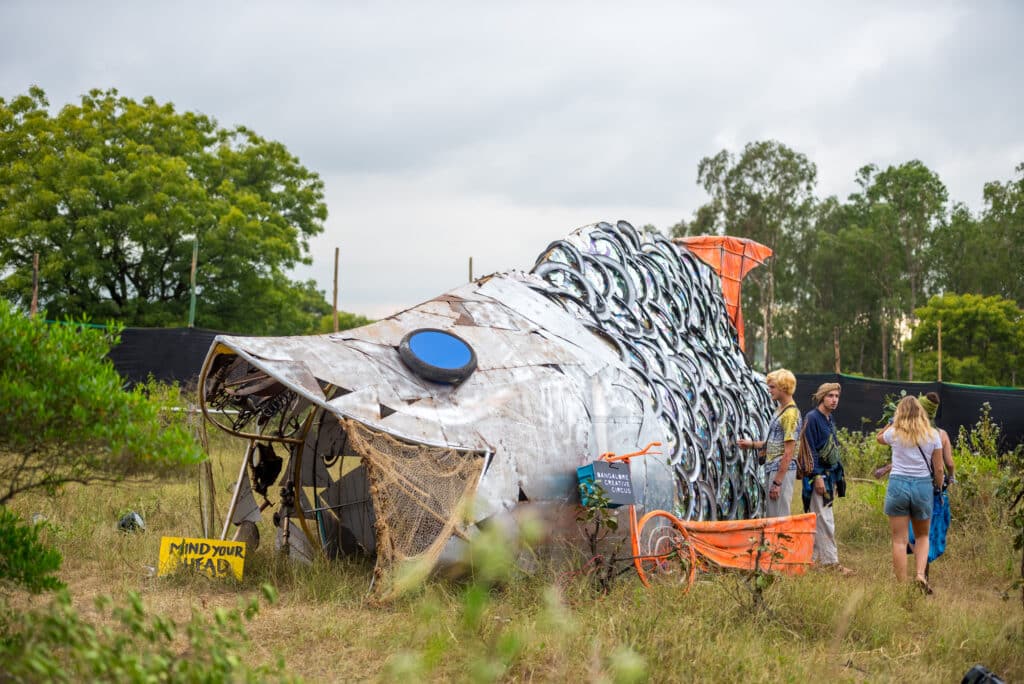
779, 444
826, 479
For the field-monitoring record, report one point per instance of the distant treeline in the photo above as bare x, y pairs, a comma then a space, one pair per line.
872, 274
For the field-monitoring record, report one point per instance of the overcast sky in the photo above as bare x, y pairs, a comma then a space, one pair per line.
449, 130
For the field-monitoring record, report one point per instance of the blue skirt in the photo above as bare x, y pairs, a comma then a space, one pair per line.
938, 529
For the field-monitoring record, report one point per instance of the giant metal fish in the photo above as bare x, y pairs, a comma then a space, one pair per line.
616, 338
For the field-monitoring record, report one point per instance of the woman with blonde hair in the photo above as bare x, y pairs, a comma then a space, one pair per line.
916, 474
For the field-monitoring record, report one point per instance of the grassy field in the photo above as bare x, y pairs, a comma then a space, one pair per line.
552, 626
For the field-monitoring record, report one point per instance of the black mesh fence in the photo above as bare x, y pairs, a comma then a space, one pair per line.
177, 354
860, 407
168, 354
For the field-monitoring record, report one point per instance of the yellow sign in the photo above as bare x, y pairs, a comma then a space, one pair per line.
211, 557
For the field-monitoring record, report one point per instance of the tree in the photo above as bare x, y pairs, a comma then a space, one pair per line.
766, 194
833, 299
702, 223
982, 338
111, 193
64, 416
1003, 223
907, 204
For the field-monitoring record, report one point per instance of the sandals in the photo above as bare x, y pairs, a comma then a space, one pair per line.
923, 585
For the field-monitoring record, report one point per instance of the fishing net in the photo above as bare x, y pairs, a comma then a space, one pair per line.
419, 495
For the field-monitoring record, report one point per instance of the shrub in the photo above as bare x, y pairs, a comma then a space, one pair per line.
64, 416
57, 644
25, 562
1011, 492
861, 453
976, 455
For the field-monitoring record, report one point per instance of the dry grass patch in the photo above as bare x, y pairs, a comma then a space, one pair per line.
544, 628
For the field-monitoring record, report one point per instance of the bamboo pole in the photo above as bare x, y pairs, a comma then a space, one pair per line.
336, 253
35, 285
470, 269
192, 283
939, 325
835, 346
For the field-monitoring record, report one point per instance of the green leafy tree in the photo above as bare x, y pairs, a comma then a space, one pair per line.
982, 339
1003, 237
112, 193
702, 223
833, 298
766, 194
966, 257
906, 206
64, 416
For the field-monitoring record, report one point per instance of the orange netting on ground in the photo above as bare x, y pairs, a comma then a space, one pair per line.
775, 544
419, 495
732, 258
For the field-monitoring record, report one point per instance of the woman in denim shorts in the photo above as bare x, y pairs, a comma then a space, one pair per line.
916, 473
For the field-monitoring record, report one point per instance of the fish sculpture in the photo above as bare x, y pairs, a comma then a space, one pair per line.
406, 435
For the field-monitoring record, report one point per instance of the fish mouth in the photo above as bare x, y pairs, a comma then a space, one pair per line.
348, 488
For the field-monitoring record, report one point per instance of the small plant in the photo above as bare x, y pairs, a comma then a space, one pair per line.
26, 563
1011, 492
861, 453
474, 624
976, 455
65, 417
981, 441
598, 522
758, 578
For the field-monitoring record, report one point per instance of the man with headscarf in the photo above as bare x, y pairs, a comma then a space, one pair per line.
826, 479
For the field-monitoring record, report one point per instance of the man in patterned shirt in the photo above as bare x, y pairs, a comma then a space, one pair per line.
779, 444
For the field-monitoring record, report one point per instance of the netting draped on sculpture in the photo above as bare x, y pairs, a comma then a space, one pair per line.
419, 494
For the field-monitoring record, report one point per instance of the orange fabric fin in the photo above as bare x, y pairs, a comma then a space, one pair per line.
732, 258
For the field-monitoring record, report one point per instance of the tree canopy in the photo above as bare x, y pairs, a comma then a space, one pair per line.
112, 192
858, 270
982, 338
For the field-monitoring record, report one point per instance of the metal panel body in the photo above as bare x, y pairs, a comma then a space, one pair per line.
547, 396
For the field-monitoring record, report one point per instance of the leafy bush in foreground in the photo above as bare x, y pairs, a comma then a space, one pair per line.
64, 416
56, 644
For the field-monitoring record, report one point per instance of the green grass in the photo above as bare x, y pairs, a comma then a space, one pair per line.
547, 628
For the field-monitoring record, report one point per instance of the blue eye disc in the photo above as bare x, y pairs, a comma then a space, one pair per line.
437, 355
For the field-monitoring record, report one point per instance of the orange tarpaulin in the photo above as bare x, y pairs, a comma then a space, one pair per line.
732, 258
788, 542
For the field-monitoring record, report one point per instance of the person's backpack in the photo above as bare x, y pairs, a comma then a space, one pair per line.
804, 456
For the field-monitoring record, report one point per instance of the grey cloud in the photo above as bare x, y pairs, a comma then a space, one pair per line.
501, 128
